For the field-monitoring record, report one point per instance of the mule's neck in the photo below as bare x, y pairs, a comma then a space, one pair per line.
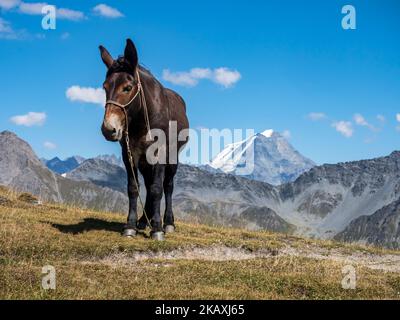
136, 112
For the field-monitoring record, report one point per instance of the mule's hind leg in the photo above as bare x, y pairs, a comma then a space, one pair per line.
169, 223
156, 192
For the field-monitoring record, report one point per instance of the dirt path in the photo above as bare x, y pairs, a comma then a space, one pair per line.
385, 262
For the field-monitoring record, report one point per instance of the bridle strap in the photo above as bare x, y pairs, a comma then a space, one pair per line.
116, 103
142, 101
123, 106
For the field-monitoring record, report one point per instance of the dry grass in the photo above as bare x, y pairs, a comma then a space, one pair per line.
93, 261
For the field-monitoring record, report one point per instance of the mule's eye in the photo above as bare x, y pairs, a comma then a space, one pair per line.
127, 88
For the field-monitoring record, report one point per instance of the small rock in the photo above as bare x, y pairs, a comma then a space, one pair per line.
29, 198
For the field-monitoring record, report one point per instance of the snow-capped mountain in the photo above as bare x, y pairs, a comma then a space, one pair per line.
265, 156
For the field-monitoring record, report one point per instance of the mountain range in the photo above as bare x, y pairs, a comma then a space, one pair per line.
22, 170
63, 166
266, 156
355, 201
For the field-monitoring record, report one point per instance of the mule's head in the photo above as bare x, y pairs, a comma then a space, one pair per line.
120, 86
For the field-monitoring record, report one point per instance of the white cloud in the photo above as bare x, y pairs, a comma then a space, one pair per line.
107, 11
9, 4
5, 29
32, 8
5, 26
65, 36
86, 95
223, 76
360, 120
9, 33
381, 118
180, 78
49, 145
226, 77
30, 119
68, 14
398, 120
344, 127
35, 8
316, 116
201, 73
287, 134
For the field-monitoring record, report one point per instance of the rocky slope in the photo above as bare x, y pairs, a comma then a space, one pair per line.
381, 228
21, 169
198, 195
111, 158
102, 173
321, 203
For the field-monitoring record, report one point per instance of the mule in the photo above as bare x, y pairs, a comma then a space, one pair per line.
137, 102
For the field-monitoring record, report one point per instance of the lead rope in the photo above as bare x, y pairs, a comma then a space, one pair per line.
128, 149
142, 101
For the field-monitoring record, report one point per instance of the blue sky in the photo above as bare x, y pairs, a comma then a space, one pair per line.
336, 91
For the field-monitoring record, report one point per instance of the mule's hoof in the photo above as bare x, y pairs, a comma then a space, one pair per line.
129, 233
169, 228
158, 236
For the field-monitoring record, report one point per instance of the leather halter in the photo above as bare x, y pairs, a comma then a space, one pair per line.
142, 100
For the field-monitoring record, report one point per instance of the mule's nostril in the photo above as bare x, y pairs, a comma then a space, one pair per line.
114, 131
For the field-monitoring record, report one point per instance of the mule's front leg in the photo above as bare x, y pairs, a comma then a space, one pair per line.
156, 192
133, 192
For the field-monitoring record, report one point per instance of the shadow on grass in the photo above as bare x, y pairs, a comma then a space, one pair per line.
89, 224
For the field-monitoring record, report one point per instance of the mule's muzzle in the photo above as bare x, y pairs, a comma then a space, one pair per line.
111, 133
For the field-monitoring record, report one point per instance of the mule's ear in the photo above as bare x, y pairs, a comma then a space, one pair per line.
106, 57
130, 53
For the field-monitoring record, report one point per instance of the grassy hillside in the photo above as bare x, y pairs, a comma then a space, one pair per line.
92, 260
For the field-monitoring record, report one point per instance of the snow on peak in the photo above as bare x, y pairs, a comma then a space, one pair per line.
271, 160
268, 133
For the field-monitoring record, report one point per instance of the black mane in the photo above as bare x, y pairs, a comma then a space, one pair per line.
121, 65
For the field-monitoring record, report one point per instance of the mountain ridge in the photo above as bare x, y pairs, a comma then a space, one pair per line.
328, 201
22, 170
